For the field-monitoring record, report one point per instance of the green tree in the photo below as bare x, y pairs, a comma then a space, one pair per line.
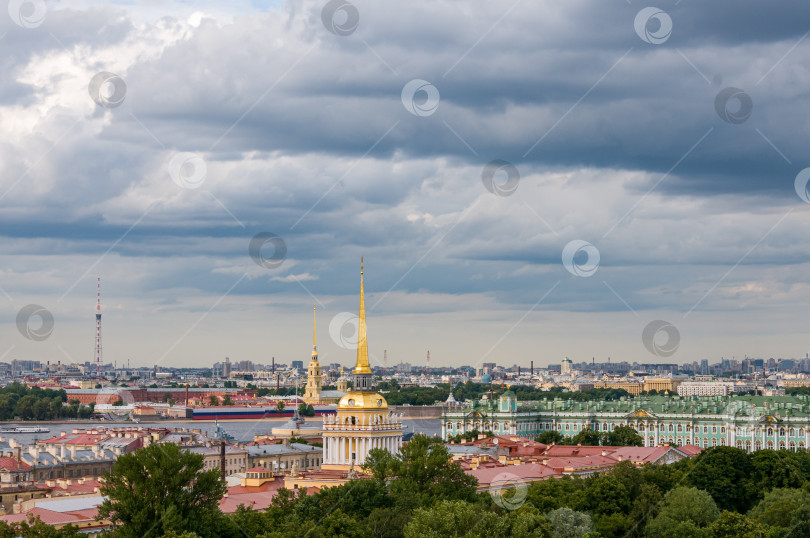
691, 506
724, 472
607, 495
734, 525
779, 507
456, 519
568, 523
624, 436
777, 469
547, 495
551, 437
280, 406
587, 437
388, 522
213, 400
227, 400
161, 488
421, 472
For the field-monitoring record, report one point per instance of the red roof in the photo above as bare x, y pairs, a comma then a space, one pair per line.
570, 451
504, 475
256, 497
583, 463
690, 450
258, 470
11, 464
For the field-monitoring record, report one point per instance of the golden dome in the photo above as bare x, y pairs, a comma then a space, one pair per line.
362, 400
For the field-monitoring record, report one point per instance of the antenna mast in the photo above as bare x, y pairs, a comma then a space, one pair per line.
98, 329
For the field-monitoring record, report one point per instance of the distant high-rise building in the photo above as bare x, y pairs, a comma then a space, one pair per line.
226, 368
297, 365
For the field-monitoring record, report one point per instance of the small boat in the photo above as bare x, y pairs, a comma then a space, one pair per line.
25, 429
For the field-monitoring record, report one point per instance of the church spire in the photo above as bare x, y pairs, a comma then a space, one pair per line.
362, 366
314, 341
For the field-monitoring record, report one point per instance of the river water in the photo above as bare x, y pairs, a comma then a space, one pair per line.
241, 430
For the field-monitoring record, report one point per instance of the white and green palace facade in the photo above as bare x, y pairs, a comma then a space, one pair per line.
747, 422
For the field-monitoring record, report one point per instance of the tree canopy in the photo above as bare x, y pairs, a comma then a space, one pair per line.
161, 488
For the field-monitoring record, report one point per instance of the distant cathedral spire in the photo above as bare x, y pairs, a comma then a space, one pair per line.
314, 331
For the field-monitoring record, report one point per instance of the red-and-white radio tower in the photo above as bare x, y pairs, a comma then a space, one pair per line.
98, 329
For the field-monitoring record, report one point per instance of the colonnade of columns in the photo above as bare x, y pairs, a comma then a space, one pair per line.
342, 449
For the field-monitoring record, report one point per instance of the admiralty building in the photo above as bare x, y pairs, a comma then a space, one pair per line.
747, 422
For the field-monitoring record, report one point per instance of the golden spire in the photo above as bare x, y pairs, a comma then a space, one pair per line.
362, 366
314, 341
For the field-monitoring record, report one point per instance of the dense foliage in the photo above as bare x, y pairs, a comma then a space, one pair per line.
161, 488
34, 403
421, 493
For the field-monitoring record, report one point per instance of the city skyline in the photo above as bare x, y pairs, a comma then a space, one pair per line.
525, 182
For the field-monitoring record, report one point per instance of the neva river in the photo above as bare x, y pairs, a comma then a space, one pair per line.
241, 430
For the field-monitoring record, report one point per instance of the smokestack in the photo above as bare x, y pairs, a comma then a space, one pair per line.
532, 370
186, 395
518, 371
274, 365
222, 458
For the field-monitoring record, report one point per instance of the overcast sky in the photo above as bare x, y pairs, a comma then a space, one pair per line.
527, 180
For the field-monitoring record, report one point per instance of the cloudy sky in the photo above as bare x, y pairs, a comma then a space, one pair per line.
526, 180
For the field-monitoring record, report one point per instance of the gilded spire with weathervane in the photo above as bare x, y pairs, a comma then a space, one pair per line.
362, 366
314, 341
